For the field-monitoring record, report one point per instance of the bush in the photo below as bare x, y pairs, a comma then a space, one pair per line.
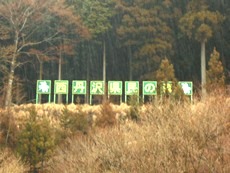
107, 117
134, 108
171, 138
74, 122
36, 141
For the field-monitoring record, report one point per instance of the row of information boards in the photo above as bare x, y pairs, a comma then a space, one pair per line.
79, 87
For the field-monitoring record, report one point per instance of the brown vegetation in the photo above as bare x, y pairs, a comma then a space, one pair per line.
169, 137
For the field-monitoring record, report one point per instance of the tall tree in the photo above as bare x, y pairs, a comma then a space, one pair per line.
199, 23
96, 15
32, 23
70, 30
21, 18
145, 32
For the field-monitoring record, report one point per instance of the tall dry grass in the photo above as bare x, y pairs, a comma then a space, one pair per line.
10, 164
170, 137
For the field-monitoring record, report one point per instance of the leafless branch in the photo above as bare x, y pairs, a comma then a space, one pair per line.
37, 43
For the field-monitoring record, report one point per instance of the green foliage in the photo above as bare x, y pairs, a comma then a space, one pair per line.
167, 82
200, 24
134, 103
145, 29
96, 15
36, 141
166, 71
164, 74
215, 73
74, 121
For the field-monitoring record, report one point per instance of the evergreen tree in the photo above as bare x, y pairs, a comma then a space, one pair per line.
36, 141
199, 23
144, 30
215, 73
165, 76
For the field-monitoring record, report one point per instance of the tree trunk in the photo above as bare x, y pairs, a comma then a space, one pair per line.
88, 65
40, 75
104, 70
203, 70
60, 75
130, 63
8, 99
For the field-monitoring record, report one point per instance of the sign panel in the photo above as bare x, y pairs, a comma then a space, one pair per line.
61, 87
43, 87
131, 87
79, 87
97, 88
166, 87
115, 88
149, 87
187, 87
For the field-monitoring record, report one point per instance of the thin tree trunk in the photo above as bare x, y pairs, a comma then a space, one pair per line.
60, 75
130, 63
8, 99
40, 75
88, 57
203, 70
104, 70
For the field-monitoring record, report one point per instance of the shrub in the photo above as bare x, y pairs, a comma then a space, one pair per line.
107, 117
172, 138
134, 107
74, 121
36, 141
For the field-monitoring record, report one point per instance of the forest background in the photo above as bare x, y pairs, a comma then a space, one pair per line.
76, 40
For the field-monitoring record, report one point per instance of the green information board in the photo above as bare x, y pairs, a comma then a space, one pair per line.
96, 88
149, 88
61, 87
131, 88
115, 88
43, 87
79, 87
187, 87
166, 87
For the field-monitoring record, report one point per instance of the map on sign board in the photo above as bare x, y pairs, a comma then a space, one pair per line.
131, 87
97, 88
43, 86
115, 88
61, 86
187, 87
79, 87
149, 87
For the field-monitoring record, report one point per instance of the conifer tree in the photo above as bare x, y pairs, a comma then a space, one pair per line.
164, 75
215, 73
199, 23
36, 141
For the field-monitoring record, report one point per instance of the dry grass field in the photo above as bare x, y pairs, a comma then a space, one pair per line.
168, 137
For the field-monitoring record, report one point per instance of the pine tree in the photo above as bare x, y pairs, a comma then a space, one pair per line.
215, 73
36, 141
199, 23
167, 82
165, 76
